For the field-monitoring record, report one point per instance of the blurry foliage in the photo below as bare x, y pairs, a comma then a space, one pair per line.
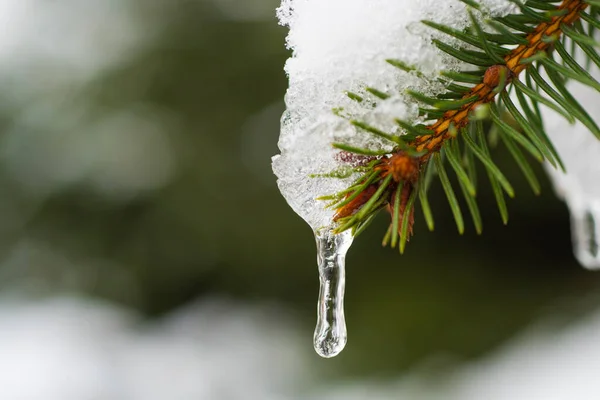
221, 226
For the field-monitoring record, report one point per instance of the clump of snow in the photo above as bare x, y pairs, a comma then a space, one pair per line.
342, 45
580, 185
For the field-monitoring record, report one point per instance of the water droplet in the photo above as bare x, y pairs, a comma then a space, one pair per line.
585, 228
330, 334
416, 28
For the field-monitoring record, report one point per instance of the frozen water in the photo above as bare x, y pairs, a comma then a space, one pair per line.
580, 186
339, 46
330, 333
342, 45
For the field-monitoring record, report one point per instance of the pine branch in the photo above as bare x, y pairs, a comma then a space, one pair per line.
525, 42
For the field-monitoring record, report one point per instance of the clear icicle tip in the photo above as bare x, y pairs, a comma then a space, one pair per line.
330, 334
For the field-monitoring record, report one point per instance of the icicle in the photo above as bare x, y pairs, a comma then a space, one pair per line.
330, 334
579, 150
585, 228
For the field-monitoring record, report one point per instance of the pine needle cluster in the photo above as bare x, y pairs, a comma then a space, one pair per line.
520, 62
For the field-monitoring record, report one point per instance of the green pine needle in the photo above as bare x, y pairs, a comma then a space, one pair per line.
485, 159
405, 221
439, 165
396, 214
457, 136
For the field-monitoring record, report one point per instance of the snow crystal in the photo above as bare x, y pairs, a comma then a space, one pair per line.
580, 185
342, 45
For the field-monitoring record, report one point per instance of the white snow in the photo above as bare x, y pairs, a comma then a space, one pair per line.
82, 349
78, 349
342, 45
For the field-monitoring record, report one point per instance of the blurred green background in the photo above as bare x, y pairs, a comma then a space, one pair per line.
185, 205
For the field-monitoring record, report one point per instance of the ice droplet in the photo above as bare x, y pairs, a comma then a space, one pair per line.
330, 334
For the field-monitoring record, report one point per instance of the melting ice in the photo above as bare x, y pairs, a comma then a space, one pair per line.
339, 46
580, 186
330, 333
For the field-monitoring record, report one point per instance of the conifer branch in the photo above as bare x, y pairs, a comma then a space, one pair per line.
523, 45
